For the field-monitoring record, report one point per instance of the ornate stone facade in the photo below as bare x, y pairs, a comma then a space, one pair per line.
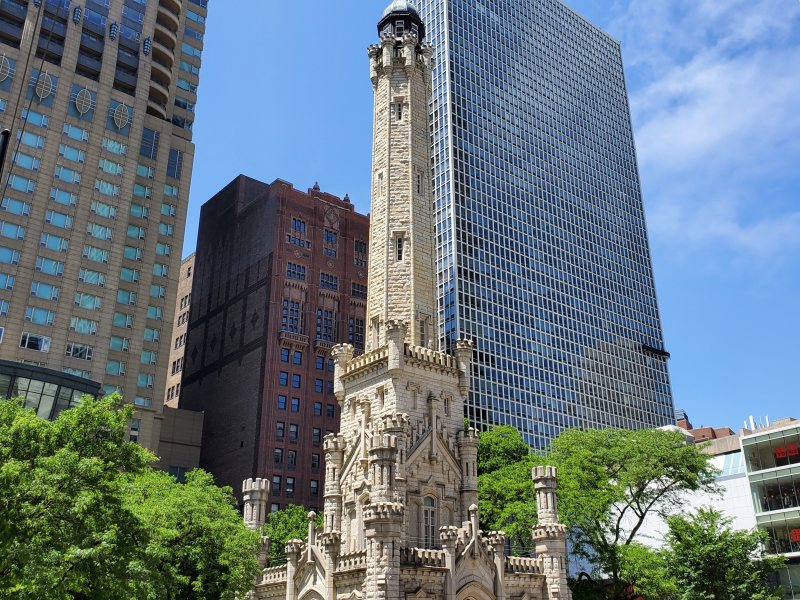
401, 488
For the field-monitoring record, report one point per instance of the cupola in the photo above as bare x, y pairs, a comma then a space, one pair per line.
399, 18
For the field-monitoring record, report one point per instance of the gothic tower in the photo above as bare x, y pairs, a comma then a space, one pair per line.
401, 269
401, 488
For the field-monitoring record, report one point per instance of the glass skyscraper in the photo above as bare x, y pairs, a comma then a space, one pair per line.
543, 254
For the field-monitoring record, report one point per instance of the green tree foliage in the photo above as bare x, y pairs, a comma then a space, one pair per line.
291, 523
198, 546
70, 529
500, 447
610, 480
63, 530
505, 488
711, 561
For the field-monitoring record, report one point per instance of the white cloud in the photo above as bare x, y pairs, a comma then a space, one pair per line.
715, 98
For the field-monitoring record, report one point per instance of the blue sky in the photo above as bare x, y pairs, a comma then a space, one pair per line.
715, 98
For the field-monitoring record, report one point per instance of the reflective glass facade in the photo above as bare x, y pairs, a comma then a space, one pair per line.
543, 254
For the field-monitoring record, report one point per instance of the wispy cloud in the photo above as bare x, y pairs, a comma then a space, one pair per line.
716, 104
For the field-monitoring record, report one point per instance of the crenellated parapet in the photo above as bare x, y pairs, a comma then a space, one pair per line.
255, 493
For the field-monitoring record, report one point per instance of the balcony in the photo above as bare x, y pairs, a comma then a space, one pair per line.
160, 73
163, 55
173, 6
165, 37
168, 19
294, 337
156, 109
158, 93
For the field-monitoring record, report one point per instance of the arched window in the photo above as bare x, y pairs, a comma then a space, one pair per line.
429, 522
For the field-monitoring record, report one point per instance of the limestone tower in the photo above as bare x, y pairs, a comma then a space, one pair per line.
401, 269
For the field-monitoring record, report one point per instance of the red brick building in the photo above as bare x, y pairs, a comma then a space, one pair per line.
280, 277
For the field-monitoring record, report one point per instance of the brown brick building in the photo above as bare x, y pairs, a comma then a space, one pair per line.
280, 276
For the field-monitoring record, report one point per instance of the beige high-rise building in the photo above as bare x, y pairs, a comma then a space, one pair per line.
178, 340
99, 97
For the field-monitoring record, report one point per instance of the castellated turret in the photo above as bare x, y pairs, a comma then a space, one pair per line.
255, 493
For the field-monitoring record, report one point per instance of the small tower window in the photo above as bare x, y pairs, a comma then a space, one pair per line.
399, 111
399, 242
415, 30
419, 183
380, 185
399, 28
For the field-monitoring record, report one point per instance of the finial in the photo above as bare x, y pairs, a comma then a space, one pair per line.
316, 186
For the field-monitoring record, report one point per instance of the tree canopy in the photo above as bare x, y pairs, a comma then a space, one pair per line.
80, 514
610, 480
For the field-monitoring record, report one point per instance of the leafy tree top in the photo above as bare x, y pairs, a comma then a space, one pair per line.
500, 447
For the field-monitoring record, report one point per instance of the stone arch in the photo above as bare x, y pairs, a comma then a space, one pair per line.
312, 594
474, 591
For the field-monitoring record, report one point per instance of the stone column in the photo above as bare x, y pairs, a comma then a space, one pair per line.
395, 337
449, 537
463, 354
549, 535
255, 493
497, 540
342, 354
383, 521
293, 551
468, 453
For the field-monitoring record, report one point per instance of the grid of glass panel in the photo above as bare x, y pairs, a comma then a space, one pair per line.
543, 252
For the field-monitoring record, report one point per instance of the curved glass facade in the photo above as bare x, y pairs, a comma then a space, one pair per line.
543, 253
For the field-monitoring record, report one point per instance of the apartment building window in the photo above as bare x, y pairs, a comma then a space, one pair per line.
314, 487
359, 290
316, 436
317, 409
276, 484
328, 282
319, 363
330, 411
319, 386
277, 455
298, 226
285, 355
294, 271
293, 429
326, 325
290, 316
297, 357
291, 458
296, 381
281, 402
280, 429
315, 461
295, 406
283, 378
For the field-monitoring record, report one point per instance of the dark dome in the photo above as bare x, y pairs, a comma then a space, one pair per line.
401, 6
399, 17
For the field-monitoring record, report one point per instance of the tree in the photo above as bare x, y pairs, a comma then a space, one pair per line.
711, 561
507, 501
82, 516
64, 532
610, 480
288, 524
500, 447
198, 546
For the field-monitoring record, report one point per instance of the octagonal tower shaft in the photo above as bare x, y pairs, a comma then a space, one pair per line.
401, 269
